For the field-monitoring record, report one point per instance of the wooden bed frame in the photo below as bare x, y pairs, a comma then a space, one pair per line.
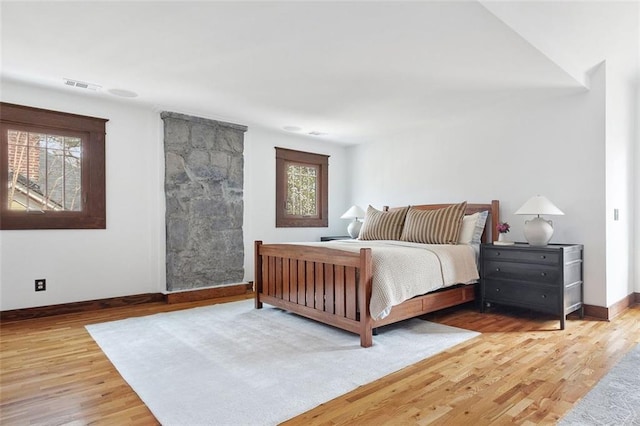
334, 286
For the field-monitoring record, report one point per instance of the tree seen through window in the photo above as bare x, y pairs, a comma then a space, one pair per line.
302, 193
44, 171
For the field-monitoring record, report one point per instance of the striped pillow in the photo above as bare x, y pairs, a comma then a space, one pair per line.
440, 226
380, 225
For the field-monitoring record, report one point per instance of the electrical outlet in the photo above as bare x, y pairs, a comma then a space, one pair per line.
41, 285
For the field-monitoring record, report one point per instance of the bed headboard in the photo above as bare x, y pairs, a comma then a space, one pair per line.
489, 234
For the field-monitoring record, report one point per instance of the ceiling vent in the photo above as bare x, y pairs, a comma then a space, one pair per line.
80, 84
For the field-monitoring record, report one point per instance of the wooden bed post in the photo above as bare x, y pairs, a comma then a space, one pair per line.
257, 282
495, 218
364, 296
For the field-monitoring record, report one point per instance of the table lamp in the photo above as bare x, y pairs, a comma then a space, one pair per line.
538, 231
354, 227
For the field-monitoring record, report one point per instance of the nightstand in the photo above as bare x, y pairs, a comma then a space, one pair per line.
544, 279
339, 237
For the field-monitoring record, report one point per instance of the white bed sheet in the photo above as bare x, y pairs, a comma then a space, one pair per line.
402, 270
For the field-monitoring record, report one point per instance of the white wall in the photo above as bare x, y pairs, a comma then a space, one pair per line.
92, 264
553, 146
577, 36
129, 256
620, 134
577, 149
636, 216
636, 148
623, 116
260, 184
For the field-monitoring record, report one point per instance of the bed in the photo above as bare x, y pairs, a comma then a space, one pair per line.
335, 285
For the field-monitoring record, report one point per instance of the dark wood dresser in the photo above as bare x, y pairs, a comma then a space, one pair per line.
544, 279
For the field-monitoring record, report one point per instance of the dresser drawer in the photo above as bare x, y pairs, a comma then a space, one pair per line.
540, 273
540, 297
524, 255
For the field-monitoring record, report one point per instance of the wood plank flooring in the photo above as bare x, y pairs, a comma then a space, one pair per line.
521, 370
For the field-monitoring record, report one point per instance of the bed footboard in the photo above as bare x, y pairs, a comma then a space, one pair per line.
327, 285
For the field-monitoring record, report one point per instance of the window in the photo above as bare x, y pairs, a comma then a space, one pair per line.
302, 181
53, 169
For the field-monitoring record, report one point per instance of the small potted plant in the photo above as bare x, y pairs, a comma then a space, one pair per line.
503, 228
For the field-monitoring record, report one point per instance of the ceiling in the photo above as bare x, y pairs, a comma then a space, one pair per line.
354, 70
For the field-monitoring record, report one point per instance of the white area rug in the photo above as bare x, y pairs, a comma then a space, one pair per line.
615, 400
231, 364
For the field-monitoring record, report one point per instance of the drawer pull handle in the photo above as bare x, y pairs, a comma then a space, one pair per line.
544, 274
497, 269
543, 256
497, 253
497, 290
544, 296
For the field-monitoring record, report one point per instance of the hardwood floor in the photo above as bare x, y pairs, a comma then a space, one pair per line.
520, 370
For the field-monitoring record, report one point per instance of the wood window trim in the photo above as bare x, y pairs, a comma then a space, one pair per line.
93, 213
284, 156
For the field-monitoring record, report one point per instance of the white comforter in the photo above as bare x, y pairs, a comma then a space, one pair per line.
402, 270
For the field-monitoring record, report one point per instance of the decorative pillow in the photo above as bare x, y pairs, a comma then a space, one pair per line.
441, 226
379, 225
472, 228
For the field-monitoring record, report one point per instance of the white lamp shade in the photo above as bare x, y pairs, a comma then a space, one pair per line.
353, 212
538, 205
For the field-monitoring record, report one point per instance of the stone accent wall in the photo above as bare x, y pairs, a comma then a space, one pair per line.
204, 196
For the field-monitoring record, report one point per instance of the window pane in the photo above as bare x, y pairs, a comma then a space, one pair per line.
23, 150
73, 178
44, 172
301, 190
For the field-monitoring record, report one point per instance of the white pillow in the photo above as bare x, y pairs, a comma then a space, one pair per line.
472, 228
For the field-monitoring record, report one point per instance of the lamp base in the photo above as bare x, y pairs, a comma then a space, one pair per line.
538, 231
354, 228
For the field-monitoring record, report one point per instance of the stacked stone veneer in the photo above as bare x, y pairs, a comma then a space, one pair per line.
204, 188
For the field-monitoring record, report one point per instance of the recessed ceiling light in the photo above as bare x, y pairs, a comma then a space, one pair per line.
292, 128
123, 93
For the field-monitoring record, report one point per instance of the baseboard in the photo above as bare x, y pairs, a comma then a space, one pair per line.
209, 293
593, 311
607, 314
596, 312
115, 302
75, 307
618, 307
